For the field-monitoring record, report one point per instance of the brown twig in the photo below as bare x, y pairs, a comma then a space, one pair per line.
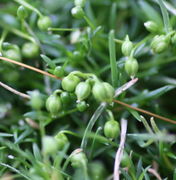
155, 173
29, 67
119, 153
14, 91
145, 112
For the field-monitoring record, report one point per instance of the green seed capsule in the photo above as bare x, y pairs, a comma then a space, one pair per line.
77, 12
59, 71
70, 82
80, 3
131, 67
111, 129
103, 92
82, 90
65, 97
36, 100
82, 106
12, 54
62, 140
151, 26
22, 12
30, 50
53, 104
78, 160
126, 160
127, 47
160, 43
97, 170
44, 23
49, 145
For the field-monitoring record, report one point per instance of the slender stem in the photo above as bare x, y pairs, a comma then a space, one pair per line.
29, 6
62, 29
29, 67
14, 91
91, 123
4, 34
89, 22
114, 67
145, 112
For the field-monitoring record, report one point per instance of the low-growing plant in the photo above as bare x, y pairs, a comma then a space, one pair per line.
76, 77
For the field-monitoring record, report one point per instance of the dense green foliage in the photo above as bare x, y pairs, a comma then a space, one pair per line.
69, 128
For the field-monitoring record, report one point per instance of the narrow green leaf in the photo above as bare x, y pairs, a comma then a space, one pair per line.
165, 16
114, 70
48, 61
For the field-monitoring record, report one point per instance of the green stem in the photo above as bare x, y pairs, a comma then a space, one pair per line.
165, 16
62, 29
91, 123
114, 67
3, 36
28, 6
89, 22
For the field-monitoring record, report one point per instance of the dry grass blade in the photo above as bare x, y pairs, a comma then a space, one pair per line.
29, 67
119, 153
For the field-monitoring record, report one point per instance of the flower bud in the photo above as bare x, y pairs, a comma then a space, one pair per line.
36, 100
70, 82
78, 159
30, 50
127, 47
151, 26
111, 129
82, 106
77, 12
131, 67
103, 92
44, 23
62, 140
22, 12
49, 145
80, 3
53, 104
82, 90
59, 71
160, 43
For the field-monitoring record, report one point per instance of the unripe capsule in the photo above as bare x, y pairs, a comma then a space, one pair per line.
22, 12
78, 160
59, 71
82, 90
70, 82
12, 54
49, 145
111, 129
77, 12
65, 97
80, 2
82, 106
30, 50
131, 67
62, 140
151, 26
127, 47
44, 23
103, 92
160, 43
54, 104
36, 100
